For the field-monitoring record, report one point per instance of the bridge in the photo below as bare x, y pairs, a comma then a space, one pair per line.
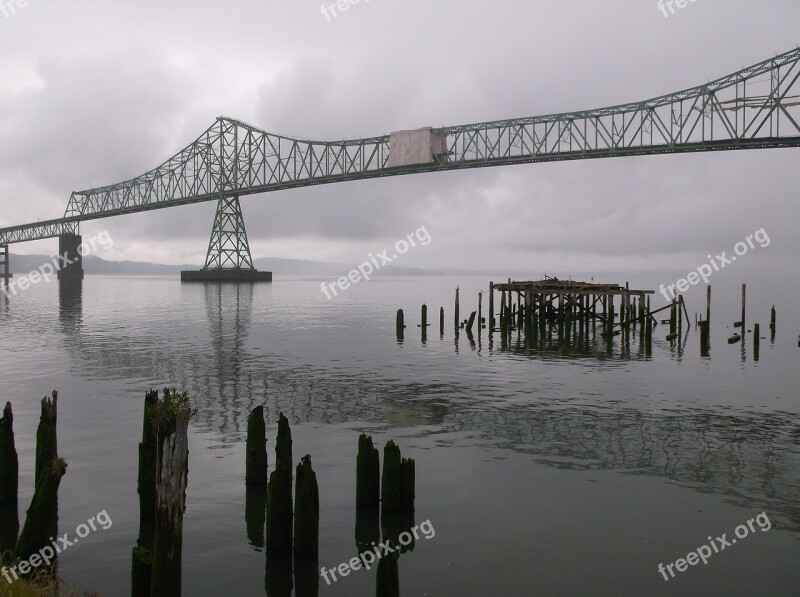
755, 108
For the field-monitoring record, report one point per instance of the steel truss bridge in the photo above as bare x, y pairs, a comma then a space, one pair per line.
755, 108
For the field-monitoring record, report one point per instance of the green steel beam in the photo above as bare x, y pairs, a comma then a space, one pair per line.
755, 108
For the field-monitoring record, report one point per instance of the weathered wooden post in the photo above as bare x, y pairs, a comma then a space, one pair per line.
255, 513
9, 484
480, 312
772, 318
172, 467
306, 509
407, 482
471, 322
46, 439
400, 325
744, 304
491, 307
141, 571
456, 320
705, 338
142, 555
424, 324
388, 576
279, 494
391, 481
41, 522
9, 462
368, 473
756, 341
146, 482
256, 451
441, 322
708, 303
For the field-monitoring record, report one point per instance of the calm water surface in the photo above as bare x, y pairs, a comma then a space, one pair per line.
541, 472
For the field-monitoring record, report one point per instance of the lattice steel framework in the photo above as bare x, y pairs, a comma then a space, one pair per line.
228, 247
755, 108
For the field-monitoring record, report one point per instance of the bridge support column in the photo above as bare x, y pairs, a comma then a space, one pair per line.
228, 258
71, 260
5, 265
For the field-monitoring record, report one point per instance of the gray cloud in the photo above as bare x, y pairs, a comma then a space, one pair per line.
92, 94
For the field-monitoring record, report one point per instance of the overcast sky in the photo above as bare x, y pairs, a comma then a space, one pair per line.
92, 93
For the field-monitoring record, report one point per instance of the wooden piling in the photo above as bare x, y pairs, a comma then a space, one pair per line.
172, 463
141, 571
255, 513
408, 482
368, 473
471, 322
772, 318
41, 521
756, 340
424, 322
9, 462
456, 319
46, 439
391, 481
146, 482
306, 509
256, 451
400, 324
388, 576
441, 321
708, 303
9, 485
279, 494
491, 307
480, 312
705, 338
744, 304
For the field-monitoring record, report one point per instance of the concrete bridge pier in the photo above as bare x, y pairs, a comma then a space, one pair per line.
5, 266
71, 260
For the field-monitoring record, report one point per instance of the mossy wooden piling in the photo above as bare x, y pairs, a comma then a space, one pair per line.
279, 495
141, 571
306, 509
368, 473
172, 467
256, 451
41, 521
391, 480
46, 437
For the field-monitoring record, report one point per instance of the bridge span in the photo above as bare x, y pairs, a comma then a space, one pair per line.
755, 108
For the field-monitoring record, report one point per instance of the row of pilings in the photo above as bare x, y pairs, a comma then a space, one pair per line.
41, 521
570, 315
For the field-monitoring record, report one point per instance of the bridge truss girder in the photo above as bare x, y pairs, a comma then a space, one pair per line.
755, 108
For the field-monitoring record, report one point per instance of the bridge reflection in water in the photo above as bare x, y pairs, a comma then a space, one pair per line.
752, 458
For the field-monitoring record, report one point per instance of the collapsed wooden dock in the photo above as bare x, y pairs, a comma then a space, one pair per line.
551, 301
